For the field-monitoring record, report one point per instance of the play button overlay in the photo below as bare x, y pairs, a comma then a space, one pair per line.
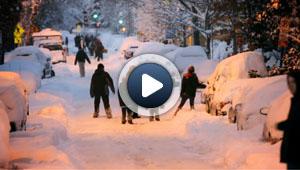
149, 84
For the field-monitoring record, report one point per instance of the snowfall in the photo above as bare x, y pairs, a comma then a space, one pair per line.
61, 132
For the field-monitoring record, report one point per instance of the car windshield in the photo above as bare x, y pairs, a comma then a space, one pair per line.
53, 47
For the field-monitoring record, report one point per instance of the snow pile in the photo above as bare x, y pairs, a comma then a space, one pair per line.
154, 48
4, 136
277, 113
15, 102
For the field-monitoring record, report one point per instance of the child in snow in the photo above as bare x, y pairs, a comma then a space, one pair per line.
189, 86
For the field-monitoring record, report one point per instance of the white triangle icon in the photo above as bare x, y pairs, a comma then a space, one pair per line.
150, 85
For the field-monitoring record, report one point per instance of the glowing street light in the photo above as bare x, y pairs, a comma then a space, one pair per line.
95, 16
121, 22
123, 29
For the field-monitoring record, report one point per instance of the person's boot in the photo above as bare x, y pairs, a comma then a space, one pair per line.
151, 118
130, 122
192, 107
135, 116
108, 113
123, 122
157, 118
95, 115
178, 109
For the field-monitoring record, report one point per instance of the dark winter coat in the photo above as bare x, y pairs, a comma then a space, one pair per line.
190, 83
290, 148
100, 83
77, 40
81, 56
99, 48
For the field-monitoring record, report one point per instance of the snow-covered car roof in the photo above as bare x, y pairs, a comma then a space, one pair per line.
14, 77
28, 53
154, 48
46, 32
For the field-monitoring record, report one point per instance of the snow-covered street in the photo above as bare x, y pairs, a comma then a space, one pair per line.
61, 132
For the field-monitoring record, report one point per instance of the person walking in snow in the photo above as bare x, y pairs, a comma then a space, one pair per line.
189, 86
81, 57
126, 112
100, 84
99, 49
290, 147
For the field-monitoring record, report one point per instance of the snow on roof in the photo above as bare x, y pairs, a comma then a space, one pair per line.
46, 32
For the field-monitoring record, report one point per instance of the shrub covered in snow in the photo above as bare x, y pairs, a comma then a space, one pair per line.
4, 136
277, 113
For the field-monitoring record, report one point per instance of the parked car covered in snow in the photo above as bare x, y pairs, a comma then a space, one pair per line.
154, 48
245, 101
4, 137
30, 72
52, 40
35, 54
184, 57
15, 103
129, 46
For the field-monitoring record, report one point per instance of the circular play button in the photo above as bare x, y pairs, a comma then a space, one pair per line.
150, 85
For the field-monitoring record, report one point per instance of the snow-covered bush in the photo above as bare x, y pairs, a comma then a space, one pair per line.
15, 102
154, 48
4, 137
277, 113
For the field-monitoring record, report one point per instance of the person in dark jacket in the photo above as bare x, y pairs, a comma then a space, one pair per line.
81, 56
100, 83
189, 86
99, 49
290, 147
125, 111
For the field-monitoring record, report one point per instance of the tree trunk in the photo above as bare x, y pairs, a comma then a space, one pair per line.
196, 32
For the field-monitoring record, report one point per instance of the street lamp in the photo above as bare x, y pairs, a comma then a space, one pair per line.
121, 22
